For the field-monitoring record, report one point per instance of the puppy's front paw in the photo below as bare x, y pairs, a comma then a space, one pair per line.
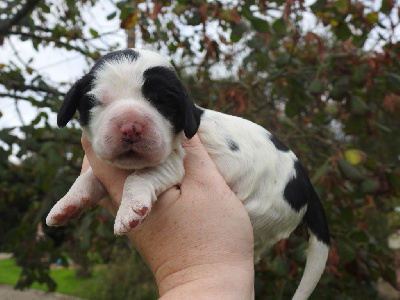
130, 215
67, 209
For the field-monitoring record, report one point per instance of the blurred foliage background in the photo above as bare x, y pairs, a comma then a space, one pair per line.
324, 76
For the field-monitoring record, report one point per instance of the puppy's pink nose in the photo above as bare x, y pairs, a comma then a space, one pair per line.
131, 131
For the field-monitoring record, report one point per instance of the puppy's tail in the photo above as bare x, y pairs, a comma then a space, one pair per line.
318, 248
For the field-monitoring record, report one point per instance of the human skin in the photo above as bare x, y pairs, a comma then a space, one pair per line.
197, 239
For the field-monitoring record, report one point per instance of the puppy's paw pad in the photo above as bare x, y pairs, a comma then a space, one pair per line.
126, 223
141, 210
59, 218
121, 228
134, 223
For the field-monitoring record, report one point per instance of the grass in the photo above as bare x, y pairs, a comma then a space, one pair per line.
67, 283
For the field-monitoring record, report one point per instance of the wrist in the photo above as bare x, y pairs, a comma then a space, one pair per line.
210, 281
201, 273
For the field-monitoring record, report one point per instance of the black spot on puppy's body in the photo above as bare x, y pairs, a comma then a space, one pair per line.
298, 189
299, 192
233, 146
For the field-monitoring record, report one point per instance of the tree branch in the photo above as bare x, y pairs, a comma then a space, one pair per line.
48, 39
16, 18
12, 96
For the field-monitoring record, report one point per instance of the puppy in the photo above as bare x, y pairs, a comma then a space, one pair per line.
136, 112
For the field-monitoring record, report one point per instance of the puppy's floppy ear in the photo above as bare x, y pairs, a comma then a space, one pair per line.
192, 116
74, 100
69, 106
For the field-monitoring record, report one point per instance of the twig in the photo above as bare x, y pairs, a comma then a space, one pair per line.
16, 18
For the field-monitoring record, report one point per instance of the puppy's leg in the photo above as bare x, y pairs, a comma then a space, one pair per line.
141, 190
86, 191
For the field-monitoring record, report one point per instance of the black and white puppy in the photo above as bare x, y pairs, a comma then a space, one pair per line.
136, 112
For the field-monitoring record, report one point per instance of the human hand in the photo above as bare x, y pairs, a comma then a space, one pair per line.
197, 239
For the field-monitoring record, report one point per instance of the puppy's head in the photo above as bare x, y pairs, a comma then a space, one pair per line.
132, 107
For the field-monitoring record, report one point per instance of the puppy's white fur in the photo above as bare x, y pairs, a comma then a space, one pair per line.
257, 173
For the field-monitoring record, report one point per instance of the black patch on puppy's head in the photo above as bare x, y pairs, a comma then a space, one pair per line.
278, 144
77, 97
163, 89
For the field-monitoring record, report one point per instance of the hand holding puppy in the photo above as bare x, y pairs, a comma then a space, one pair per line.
198, 238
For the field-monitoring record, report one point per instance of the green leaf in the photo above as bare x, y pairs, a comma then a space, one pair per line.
394, 220
112, 15
282, 60
299, 252
342, 6
317, 87
387, 6
393, 82
194, 19
340, 88
324, 169
331, 109
349, 171
377, 225
372, 18
45, 8
291, 109
279, 26
346, 251
394, 181
347, 215
359, 237
246, 12
237, 32
369, 186
180, 9
383, 127
360, 75
343, 31
354, 156
7, 137
260, 25
358, 107
280, 266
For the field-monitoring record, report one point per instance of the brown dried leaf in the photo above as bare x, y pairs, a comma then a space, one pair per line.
235, 16
316, 42
130, 21
239, 98
203, 12
391, 102
333, 262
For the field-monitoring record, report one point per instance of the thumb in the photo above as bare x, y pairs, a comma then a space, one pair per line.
199, 166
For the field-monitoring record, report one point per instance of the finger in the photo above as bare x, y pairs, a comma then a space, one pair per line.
85, 165
86, 145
